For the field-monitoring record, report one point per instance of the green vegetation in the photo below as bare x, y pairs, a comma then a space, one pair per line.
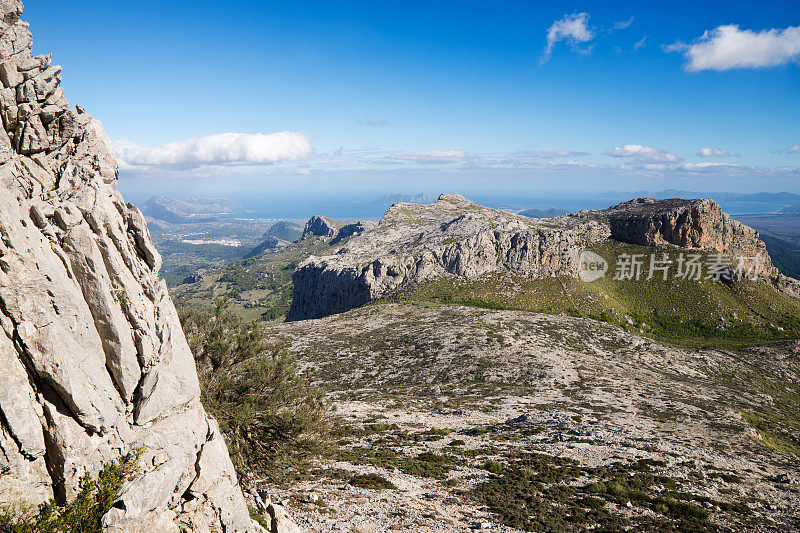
85, 513
493, 466
260, 519
784, 254
372, 481
274, 421
122, 298
183, 259
703, 313
776, 421
538, 492
257, 288
428, 464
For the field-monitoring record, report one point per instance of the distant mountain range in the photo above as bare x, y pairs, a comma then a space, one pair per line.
543, 213
196, 209
419, 198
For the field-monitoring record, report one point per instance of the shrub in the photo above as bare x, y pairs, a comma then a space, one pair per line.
592, 502
274, 421
86, 512
427, 464
372, 481
493, 466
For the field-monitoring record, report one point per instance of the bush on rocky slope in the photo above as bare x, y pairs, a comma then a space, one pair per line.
539, 492
86, 512
274, 421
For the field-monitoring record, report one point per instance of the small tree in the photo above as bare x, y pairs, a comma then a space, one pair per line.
275, 422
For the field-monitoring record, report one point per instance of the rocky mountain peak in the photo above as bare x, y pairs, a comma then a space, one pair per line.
319, 226
456, 237
93, 358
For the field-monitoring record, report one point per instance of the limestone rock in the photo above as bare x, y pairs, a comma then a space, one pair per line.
455, 237
352, 229
318, 226
281, 522
93, 359
694, 224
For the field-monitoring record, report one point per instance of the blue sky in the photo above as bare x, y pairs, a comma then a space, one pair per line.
436, 95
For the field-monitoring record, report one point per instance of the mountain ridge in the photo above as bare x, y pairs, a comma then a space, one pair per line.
454, 236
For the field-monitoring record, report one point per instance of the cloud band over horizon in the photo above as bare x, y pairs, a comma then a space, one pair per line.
221, 149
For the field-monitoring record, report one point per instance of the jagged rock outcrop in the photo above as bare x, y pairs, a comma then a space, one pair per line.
455, 237
92, 356
349, 230
326, 228
318, 226
693, 224
697, 224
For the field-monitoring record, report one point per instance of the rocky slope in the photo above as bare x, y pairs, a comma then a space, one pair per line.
477, 387
93, 358
455, 237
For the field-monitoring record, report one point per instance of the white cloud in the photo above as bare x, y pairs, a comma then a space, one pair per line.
432, 157
713, 152
572, 28
728, 47
706, 166
644, 154
793, 149
551, 154
221, 149
640, 43
370, 122
622, 24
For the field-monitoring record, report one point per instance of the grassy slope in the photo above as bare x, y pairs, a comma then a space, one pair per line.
698, 313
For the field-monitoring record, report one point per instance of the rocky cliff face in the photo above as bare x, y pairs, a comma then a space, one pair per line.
318, 226
692, 224
450, 237
455, 237
93, 359
697, 224
336, 231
